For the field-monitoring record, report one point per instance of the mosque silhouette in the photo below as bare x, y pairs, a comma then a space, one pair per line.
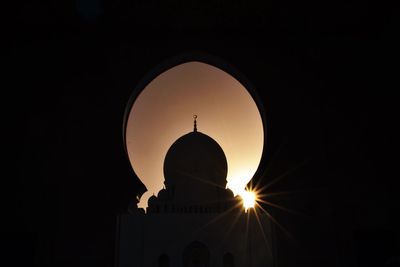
195, 220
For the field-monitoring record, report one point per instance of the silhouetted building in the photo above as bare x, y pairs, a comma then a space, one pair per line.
194, 220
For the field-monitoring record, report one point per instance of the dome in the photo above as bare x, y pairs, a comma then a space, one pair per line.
195, 166
152, 200
162, 194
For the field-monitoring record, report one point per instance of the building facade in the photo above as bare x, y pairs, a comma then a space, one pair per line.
195, 221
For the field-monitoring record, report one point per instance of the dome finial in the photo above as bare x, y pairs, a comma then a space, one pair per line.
195, 123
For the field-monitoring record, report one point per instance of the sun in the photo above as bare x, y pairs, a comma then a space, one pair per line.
248, 198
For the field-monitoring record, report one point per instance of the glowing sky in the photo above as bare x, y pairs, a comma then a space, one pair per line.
164, 111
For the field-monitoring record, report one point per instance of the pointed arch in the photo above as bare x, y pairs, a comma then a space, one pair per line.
196, 254
212, 61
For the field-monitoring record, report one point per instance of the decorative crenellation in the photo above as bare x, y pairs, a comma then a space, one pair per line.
188, 209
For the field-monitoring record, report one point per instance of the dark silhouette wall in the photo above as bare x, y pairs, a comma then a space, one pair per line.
323, 71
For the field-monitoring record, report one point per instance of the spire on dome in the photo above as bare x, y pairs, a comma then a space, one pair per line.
195, 123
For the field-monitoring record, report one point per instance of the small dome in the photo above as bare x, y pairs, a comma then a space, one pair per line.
152, 200
194, 166
162, 194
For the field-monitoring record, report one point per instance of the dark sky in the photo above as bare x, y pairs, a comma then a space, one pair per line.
70, 70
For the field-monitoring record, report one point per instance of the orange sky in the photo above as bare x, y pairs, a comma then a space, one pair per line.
164, 111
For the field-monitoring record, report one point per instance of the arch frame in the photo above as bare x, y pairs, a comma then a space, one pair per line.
203, 57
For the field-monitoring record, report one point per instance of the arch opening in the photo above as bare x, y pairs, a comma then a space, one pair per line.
161, 110
196, 254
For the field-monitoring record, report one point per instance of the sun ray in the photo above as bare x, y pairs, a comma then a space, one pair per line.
220, 216
231, 226
272, 194
262, 231
282, 208
280, 177
269, 164
276, 222
246, 240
